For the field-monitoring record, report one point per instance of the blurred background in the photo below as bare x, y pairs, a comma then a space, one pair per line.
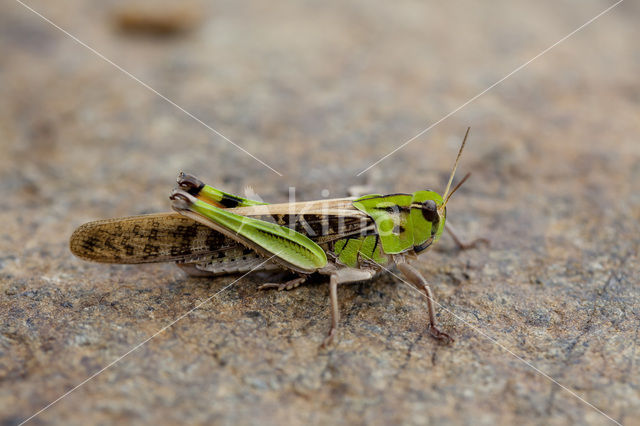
100, 126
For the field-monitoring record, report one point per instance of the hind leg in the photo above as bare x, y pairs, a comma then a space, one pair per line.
191, 270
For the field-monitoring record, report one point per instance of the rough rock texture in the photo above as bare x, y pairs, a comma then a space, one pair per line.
319, 92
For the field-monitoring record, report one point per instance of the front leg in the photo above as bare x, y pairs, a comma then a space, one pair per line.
461, 244
415, 278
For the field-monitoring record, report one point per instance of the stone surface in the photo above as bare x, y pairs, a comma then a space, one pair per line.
319, 92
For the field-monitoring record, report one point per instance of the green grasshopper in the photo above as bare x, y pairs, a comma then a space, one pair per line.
216, 233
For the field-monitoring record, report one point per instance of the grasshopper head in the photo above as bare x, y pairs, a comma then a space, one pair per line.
428, 215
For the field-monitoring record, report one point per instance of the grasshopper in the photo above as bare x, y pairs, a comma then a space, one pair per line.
217, 233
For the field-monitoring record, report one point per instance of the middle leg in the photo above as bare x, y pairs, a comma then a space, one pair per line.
342, 276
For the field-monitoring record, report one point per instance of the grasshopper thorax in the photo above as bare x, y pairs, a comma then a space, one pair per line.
405, 222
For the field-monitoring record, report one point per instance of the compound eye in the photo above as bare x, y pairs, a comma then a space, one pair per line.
430, 211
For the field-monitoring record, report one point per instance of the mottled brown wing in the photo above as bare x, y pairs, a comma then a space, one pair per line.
169, 237
162, 237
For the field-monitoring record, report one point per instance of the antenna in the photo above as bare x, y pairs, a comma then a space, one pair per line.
456, 188
447, 195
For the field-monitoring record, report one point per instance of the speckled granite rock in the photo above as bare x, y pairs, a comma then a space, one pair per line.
319, 92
